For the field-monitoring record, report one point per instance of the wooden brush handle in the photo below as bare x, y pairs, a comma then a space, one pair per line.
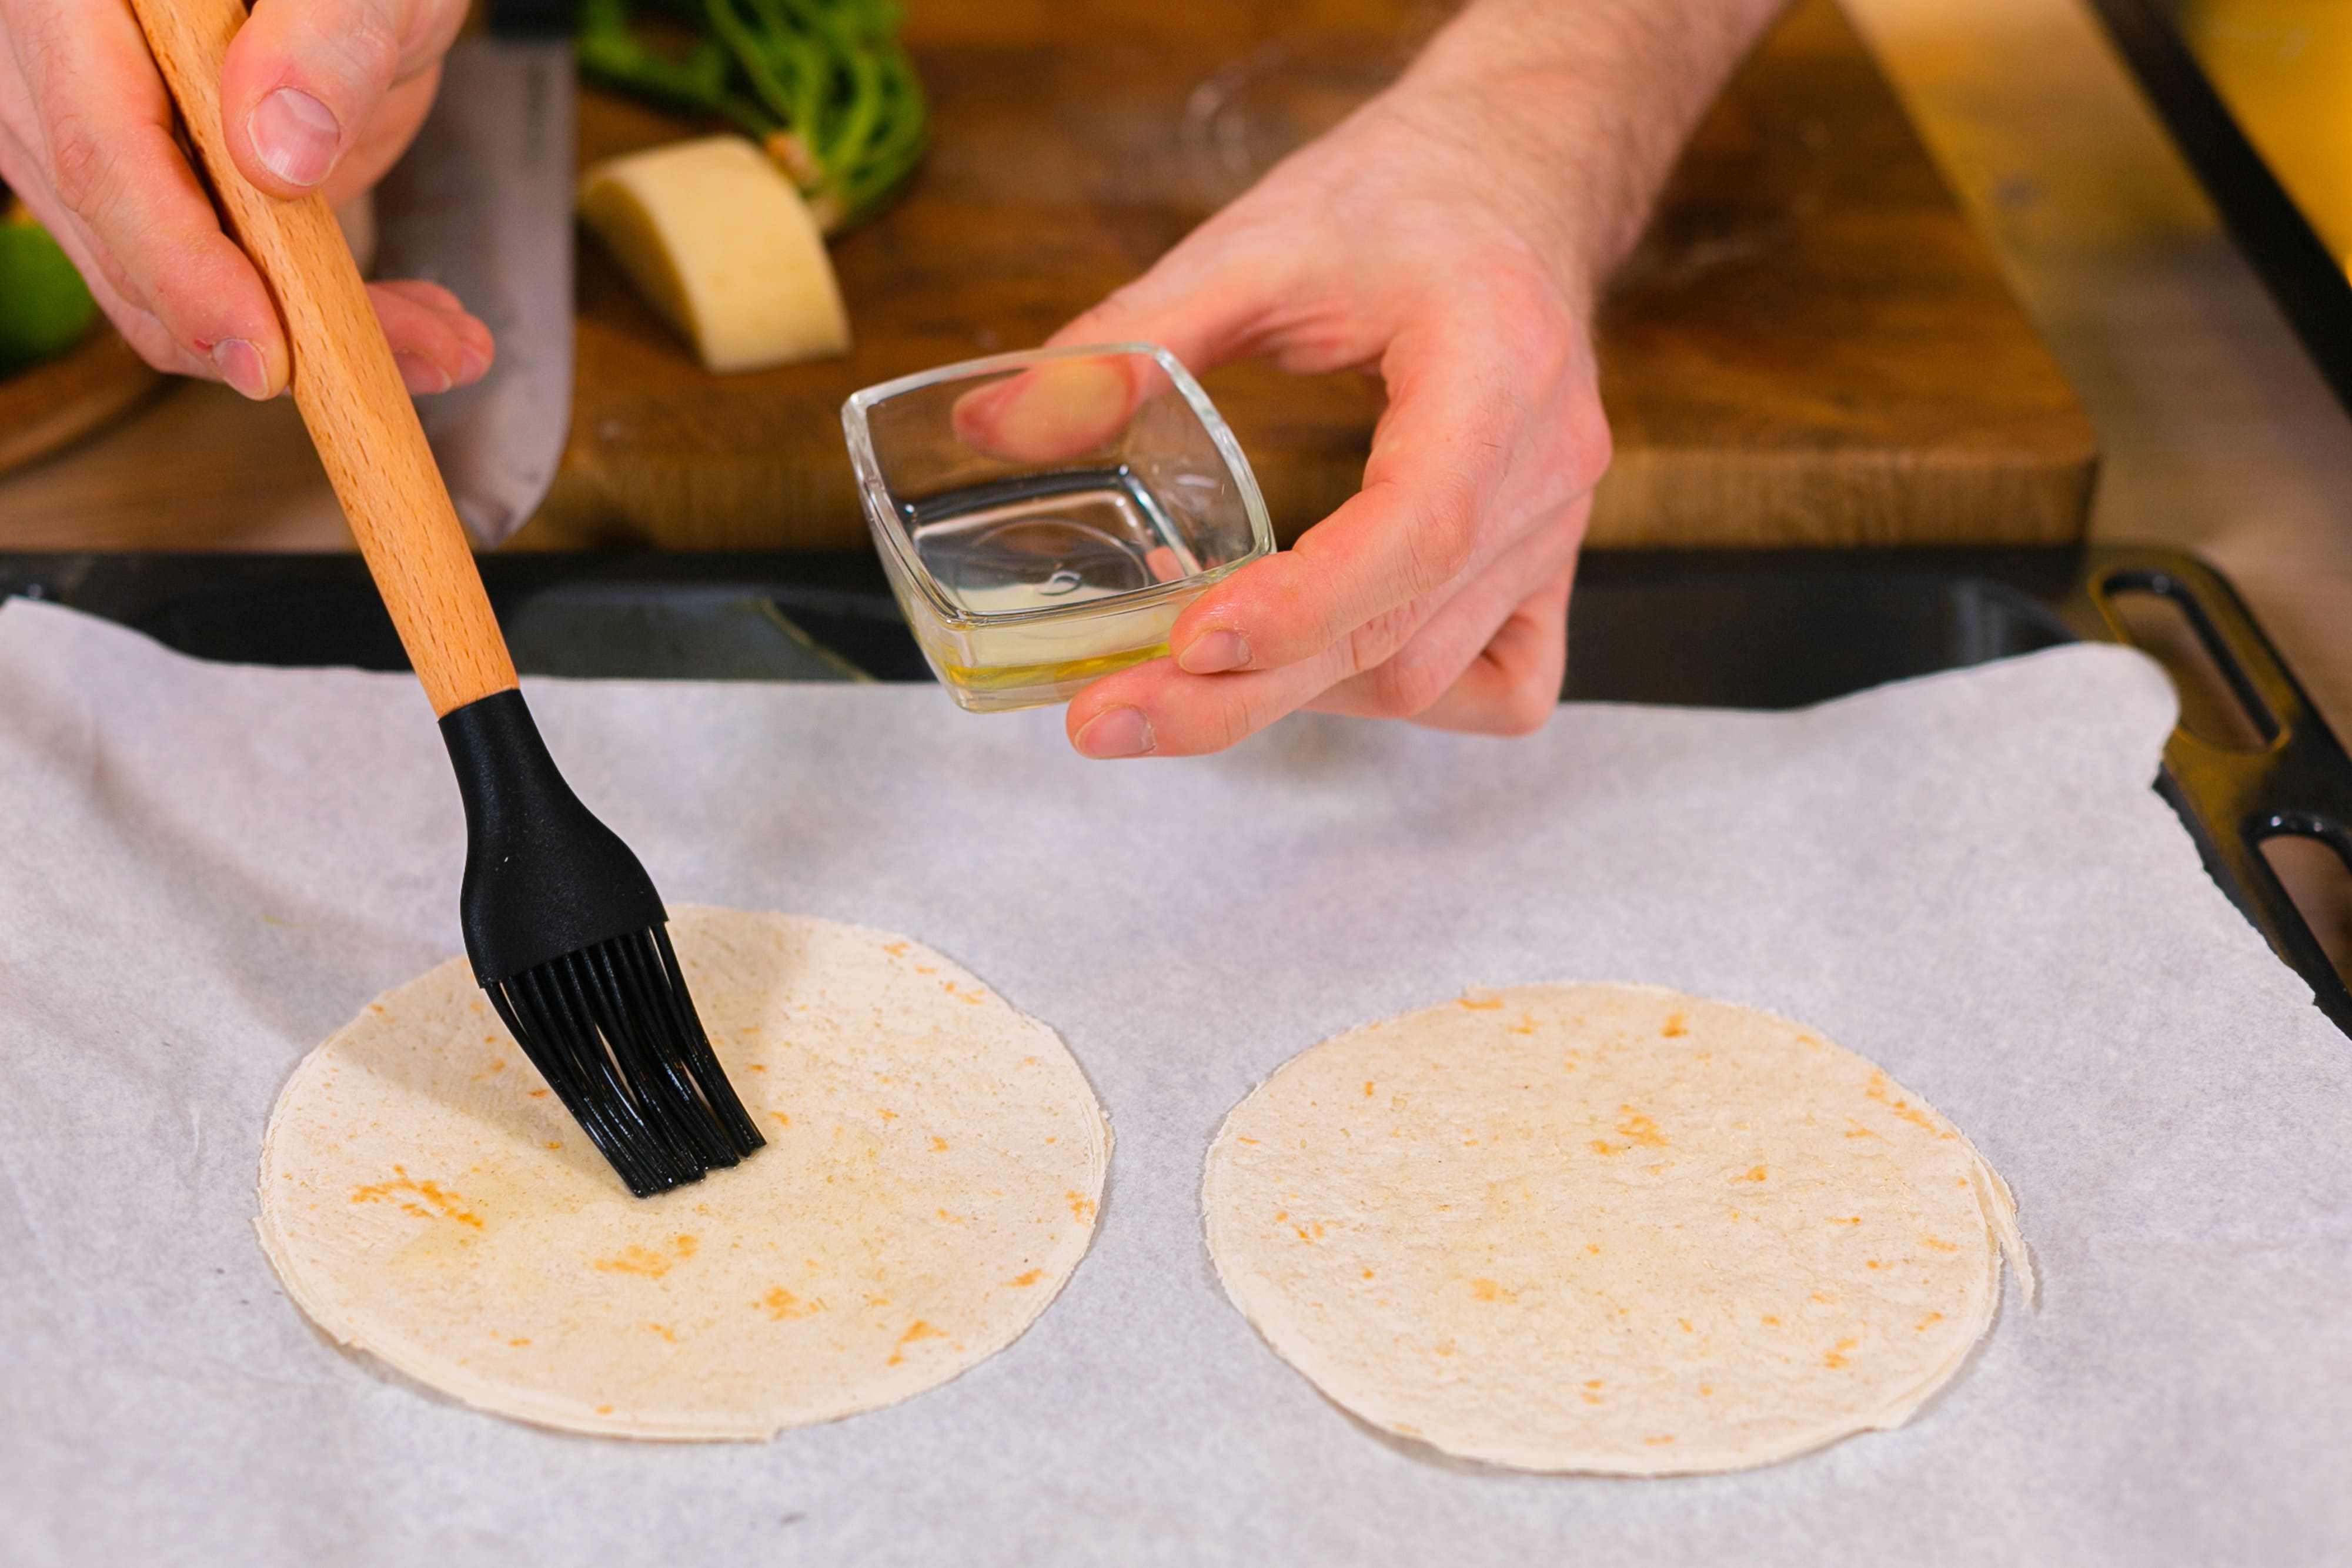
345, 382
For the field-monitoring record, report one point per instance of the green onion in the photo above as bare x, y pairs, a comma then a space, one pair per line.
822, 85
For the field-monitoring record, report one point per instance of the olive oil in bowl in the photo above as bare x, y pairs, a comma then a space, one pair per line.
1046, 515
1018, 559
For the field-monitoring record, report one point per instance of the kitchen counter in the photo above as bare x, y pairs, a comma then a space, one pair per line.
2215, 433
1811, 345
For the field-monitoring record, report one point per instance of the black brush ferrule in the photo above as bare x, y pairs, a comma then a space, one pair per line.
543, 876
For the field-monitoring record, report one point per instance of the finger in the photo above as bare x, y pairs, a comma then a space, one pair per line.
1438, 455
131, 212
1514, 684
1057, 411
386, 136
1213, 299
435, 343
1457, 431
304, 78
1432, 661
426, 292
1427, 673
138, 325
1158, 710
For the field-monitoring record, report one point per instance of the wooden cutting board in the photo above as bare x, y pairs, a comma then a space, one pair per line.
54, 405
1810, 346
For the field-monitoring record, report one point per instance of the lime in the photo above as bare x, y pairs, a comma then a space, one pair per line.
45, 308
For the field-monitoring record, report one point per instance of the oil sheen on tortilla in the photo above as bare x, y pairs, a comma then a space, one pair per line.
1607, 1229
934, 1162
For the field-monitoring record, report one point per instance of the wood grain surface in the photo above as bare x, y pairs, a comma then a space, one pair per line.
345, 384
56, 404
1810, 346
2216, 431
1814, 346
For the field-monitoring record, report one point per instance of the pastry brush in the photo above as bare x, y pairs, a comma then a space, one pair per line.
562, 926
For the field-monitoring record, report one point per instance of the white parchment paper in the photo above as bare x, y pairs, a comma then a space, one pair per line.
204, 870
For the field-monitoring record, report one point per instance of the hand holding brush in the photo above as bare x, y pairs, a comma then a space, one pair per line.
563, 927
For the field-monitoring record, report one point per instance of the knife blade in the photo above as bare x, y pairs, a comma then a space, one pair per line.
481, 204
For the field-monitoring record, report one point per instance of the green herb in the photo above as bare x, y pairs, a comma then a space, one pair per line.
821, 84
45, 308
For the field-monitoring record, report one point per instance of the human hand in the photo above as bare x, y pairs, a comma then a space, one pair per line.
1439, 593
317, 95
1451, 236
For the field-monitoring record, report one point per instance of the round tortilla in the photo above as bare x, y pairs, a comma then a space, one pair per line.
1606, 1228
934, 1165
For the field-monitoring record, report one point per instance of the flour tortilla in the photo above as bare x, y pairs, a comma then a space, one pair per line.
1607, 1229
934, 1166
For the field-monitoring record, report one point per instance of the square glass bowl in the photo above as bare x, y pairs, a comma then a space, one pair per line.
1044, 516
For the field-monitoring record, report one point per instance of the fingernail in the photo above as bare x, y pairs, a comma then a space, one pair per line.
1117, 732
1212, 652
421, 375
239, 363
295, 135
472, 364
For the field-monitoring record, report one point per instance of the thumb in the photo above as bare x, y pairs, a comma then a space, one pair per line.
1061, 408
1205, 302
301, 79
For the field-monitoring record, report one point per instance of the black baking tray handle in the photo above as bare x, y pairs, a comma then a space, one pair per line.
2298, 780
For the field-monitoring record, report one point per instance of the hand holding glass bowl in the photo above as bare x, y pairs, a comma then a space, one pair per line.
1044, 516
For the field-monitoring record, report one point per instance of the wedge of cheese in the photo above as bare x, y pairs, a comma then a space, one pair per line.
717, 240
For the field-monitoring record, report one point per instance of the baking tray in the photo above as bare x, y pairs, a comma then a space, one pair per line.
1761, 629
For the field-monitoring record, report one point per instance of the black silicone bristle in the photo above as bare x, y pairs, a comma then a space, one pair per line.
612, 1030
567, 935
